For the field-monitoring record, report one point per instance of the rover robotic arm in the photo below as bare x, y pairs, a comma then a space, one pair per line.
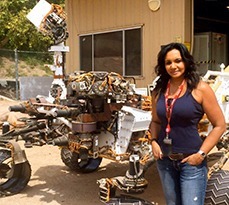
50, 19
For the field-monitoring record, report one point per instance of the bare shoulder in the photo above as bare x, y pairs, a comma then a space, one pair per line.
203, 91
154, 96
203, 86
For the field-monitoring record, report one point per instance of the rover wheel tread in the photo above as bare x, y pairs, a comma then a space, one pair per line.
217, 192
13, 177
73, 162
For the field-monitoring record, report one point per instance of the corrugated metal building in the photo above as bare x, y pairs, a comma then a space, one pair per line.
124, 36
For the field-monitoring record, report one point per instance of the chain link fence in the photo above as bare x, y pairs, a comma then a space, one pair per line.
17, 63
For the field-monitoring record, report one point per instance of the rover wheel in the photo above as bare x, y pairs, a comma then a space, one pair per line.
217, 191
13, 177
128, 200
74, 163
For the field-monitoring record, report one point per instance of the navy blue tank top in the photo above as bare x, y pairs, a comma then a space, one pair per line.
186, 114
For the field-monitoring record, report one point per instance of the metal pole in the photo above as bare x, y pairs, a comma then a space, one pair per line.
16, 72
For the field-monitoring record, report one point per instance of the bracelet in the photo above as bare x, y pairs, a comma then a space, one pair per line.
151, 139
202, 153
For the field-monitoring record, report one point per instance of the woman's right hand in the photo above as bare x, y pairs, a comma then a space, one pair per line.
157, 153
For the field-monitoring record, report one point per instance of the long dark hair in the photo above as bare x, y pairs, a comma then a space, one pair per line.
191, 75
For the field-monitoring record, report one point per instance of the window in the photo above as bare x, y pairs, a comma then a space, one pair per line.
117, 51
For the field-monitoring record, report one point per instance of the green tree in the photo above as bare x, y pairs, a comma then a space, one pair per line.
17, 31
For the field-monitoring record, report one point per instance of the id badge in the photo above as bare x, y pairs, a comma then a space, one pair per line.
167, 141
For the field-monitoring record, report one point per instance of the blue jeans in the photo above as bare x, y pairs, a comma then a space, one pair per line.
183, 184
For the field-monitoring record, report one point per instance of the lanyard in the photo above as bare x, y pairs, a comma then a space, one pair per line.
168, 108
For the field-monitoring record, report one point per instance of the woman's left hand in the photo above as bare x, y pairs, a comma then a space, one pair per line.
194, 159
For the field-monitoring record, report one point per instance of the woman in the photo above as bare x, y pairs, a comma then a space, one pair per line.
179, 100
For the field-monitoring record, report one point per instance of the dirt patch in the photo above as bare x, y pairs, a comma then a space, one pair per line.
8, 69
53, 183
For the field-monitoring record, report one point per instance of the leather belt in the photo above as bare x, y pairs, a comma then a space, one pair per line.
178, 156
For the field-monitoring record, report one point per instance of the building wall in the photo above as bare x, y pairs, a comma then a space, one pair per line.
172, 22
